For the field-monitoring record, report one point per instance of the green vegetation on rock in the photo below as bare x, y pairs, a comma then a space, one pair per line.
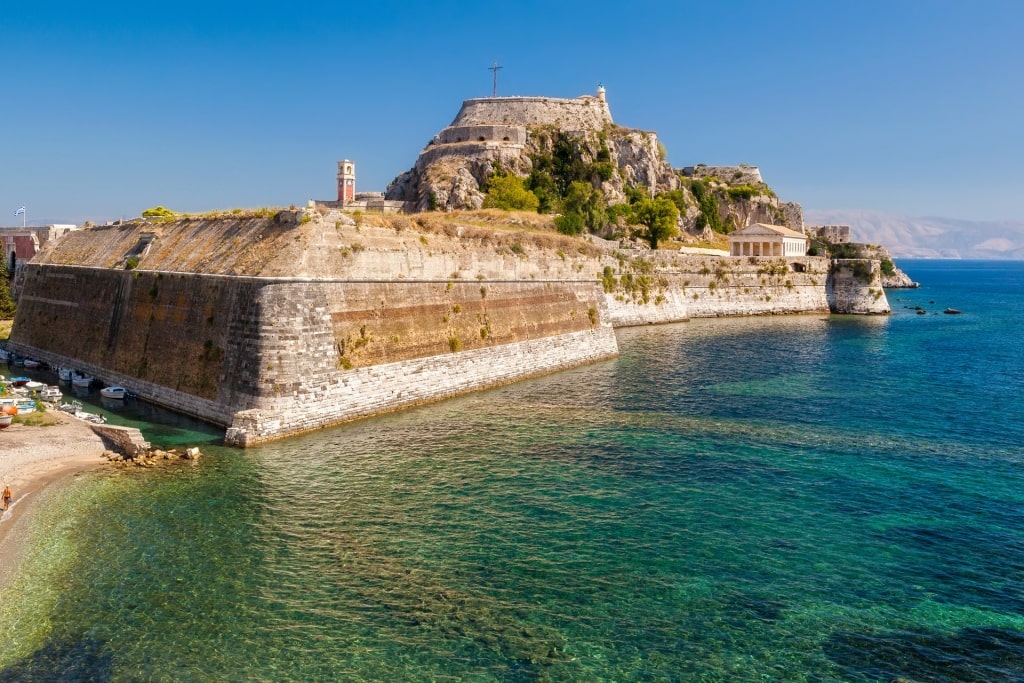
158, 212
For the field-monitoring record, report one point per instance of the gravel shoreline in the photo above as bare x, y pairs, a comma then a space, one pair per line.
31, 458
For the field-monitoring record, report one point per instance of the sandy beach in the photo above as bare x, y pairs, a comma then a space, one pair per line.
31, 458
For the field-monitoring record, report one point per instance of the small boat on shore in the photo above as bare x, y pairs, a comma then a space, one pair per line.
25, 405
6, 420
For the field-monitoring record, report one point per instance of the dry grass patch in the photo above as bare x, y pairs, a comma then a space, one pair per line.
5, 329
38, 419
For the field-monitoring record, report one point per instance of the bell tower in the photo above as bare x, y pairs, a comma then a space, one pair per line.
346, 181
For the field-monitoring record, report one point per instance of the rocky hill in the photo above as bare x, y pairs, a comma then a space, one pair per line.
550, 143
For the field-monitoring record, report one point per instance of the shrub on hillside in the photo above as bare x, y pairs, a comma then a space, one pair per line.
507, 192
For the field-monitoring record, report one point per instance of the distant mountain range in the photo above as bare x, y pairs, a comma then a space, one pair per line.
907, 237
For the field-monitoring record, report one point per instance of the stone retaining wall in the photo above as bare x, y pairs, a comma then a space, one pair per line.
128, 441
392, 386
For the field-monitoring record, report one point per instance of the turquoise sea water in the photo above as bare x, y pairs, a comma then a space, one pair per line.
761, 499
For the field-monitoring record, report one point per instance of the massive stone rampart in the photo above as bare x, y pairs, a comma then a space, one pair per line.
353, 335
369, 319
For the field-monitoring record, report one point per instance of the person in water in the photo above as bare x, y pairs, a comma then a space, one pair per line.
7, 496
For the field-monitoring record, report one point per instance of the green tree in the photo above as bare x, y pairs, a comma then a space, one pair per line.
541, 183
658, 216
586, 200
678, 198
6, 302
570, 224
507, 192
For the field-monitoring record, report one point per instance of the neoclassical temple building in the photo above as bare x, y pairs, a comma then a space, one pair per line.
761, 239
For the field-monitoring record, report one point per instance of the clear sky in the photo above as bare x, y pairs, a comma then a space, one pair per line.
903, 106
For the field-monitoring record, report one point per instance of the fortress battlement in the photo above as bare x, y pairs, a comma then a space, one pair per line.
582, 113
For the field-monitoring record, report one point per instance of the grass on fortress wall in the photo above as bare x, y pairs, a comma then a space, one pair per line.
512, 229
540, 227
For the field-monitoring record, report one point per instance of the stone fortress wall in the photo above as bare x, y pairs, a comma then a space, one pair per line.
836, 234
300, 322
581, 113
734, 175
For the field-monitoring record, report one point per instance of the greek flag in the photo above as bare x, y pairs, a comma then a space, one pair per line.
19, 211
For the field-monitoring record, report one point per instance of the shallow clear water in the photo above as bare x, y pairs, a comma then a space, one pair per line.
791, 499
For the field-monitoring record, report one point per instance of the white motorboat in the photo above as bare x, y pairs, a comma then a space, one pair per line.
79, 380
31, 363
114, 392
64, 374
51, 393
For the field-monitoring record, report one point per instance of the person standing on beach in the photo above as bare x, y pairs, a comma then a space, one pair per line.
7, 496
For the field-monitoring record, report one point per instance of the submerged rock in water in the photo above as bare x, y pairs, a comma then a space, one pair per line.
952, 311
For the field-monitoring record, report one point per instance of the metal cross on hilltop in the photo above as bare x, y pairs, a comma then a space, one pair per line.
495, 68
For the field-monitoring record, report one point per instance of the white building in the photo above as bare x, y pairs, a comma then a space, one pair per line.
761, 239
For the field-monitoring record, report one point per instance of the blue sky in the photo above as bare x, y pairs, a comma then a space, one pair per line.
903, 106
